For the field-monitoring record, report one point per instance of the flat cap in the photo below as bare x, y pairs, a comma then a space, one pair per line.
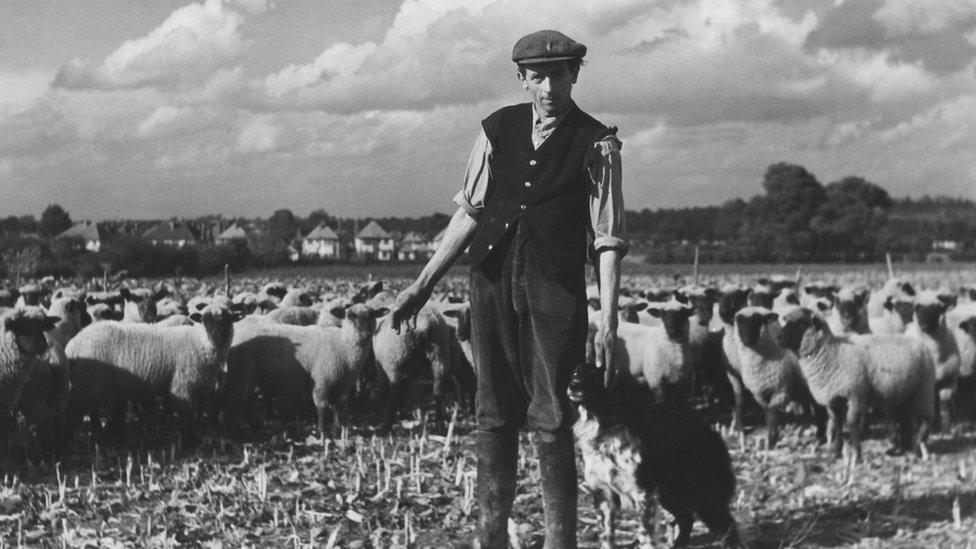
545, 46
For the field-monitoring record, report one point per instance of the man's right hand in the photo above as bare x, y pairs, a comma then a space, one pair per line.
408, 303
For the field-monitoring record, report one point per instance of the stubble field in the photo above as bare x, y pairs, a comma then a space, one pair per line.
413, 487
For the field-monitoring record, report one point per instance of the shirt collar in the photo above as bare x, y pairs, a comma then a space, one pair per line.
540, 120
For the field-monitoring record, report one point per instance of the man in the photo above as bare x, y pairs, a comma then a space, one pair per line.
542, 181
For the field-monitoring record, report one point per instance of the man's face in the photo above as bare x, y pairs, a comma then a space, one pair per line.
550, 85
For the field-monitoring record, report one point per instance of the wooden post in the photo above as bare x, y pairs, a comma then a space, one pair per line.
891, 268
694, 268
227, 279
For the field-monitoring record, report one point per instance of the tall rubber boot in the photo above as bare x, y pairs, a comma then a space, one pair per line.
557, 465
497, 474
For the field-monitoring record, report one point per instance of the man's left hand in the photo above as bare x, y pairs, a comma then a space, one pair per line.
604, 343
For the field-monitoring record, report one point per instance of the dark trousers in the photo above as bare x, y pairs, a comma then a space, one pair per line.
527, 334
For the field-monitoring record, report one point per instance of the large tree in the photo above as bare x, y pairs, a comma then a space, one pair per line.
849, 221
778, 223
54, 220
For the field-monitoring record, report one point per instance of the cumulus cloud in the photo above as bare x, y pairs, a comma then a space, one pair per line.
707, 93
19, 89
193, 41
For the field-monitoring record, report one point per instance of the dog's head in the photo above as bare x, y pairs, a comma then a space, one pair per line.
586, 387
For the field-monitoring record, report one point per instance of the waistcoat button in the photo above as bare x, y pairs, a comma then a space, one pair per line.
528, 183
532, 162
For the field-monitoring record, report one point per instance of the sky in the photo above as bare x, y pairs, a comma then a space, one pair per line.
159, 108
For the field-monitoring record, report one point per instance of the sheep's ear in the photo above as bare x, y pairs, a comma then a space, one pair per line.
623, 292
375, 288
338, 312
89, 299
833, 289
379, 311
639, 306
12, 324
889, 304
654, 311
594, 303
972, 294
680, 297
50, 322
822, 306
809, 289
770, 317
454, 299
196, 316
862, 297
763, 281
161, 293
965, 324
908, 289
126, 294
948, 301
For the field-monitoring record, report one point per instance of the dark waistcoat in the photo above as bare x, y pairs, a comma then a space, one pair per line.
545, 190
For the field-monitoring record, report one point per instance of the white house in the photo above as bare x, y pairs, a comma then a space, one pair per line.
322, 242
88, 232
373, 242
170, 233
415, 247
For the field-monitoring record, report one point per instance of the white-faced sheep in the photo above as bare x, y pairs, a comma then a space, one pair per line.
930, 328
22, 340
119, 362
772, 374
292, 362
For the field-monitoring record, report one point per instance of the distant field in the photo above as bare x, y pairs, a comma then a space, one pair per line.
931, 274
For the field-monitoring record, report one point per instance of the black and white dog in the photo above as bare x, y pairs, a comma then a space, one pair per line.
633, 449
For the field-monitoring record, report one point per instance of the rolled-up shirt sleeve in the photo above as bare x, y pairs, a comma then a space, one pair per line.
471, 197
606, 196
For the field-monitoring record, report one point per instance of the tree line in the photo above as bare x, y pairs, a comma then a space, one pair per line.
797, 219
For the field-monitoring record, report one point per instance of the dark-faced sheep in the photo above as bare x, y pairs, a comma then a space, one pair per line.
930, 328
772, 374
22, 340
121, 362
293, 362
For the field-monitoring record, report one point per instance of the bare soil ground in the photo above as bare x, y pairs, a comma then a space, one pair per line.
414, 488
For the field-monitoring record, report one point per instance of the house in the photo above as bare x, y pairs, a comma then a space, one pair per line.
87, 232
415, 247
322, 243
373, 242
232, 233
170, 233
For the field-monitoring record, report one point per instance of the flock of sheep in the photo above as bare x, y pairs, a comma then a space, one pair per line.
833, 354
228, 357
